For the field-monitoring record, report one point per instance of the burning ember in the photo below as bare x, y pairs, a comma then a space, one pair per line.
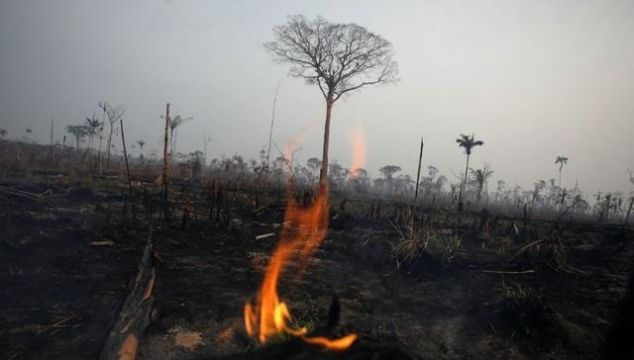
303, 231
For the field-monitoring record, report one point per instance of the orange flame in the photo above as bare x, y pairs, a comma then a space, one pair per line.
357, 140
304, 230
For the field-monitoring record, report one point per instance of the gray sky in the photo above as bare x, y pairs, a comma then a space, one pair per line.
532, 79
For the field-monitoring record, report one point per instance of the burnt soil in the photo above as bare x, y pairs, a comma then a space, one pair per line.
67, 257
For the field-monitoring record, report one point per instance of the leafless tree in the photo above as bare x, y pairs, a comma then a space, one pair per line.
114, 114
338, 58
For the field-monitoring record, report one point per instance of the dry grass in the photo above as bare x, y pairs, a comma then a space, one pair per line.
549, 250
414, 242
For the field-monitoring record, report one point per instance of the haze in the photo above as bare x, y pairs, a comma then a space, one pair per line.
532, 79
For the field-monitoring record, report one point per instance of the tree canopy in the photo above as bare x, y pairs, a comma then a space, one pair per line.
468, 142
338, 58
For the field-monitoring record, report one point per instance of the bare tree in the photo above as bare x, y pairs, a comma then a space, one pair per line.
338, 58
113, 114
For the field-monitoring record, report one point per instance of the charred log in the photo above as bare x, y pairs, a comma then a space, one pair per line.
123, 340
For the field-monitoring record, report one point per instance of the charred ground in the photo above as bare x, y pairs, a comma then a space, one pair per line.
467, 286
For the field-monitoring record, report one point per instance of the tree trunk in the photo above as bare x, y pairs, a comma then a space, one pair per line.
51, 149
125, 156
268, 151
464, 183
100, 157
323, 175
166, 165
420, 159
109, 146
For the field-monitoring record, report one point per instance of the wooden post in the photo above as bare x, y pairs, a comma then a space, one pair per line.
52, 128
525, 222
165, 177
413, 208
125, 155
420, 158
100, 156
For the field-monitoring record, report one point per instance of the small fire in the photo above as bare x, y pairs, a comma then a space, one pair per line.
357, 140
304, 230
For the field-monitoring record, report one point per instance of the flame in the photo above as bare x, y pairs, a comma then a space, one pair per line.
357, 141
304, 230
338, 344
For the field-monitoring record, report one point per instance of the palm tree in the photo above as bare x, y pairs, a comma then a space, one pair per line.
174, 124
141, 144
481, 177
468, 143
561, 160
78, 131
92, 124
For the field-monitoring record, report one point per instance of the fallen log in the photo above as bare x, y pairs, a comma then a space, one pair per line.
123, 339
